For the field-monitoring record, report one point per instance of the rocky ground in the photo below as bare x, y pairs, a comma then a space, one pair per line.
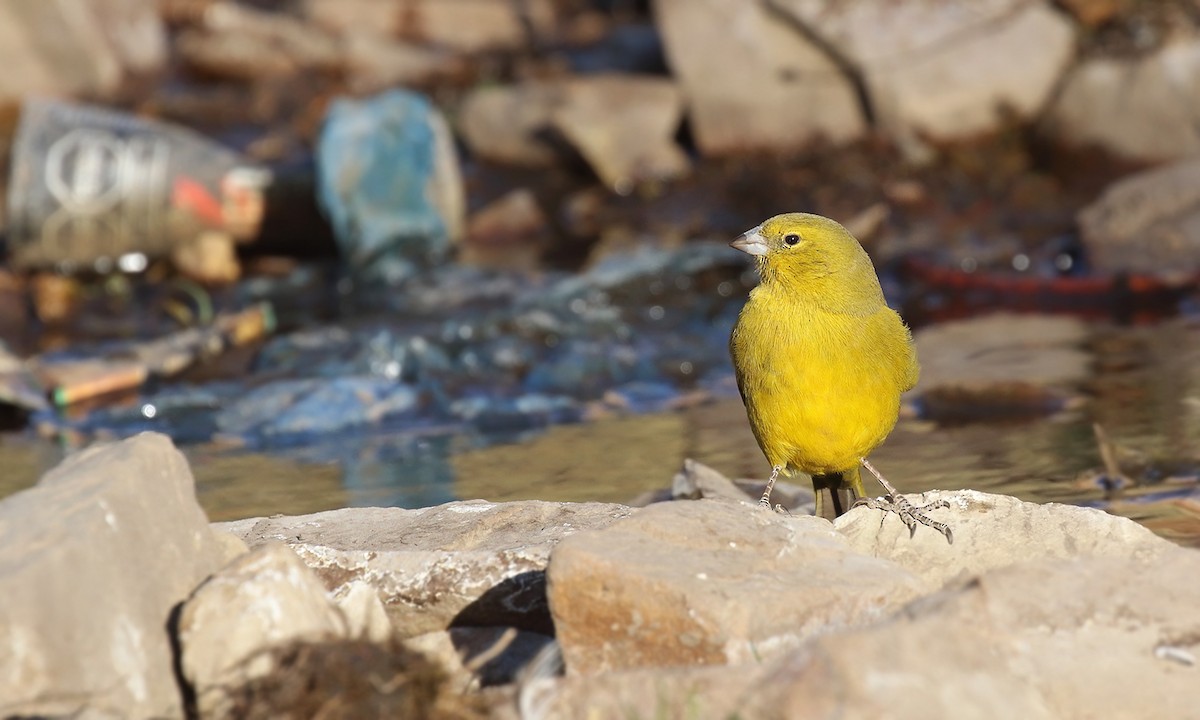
121, 600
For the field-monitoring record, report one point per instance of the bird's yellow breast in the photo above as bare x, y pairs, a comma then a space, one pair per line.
822, 389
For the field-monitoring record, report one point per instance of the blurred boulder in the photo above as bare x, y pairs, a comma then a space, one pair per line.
941, 68
1139, 108
374, 62
507, 233
1147, 223
752, 80
389, 180
623, 125
508, 124
461, 25
77, 47
239, 42
230, 40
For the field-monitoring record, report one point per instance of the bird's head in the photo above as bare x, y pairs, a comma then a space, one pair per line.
799, 248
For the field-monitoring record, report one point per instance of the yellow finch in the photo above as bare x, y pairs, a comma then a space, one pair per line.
821, 360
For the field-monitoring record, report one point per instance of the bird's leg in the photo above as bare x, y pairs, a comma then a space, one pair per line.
897, 503
765, 500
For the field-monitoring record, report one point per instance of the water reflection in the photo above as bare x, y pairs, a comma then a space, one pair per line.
1145, 392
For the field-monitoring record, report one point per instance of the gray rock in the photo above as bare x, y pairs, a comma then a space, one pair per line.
710, 582
696, 480
1141, 108
471, 563
941, 68
751, 80
264, 600
1148, 222
92, 562
243, 43
510, 233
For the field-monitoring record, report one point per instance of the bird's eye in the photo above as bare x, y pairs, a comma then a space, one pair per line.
791, 239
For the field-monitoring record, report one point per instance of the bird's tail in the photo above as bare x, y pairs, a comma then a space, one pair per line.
836, 492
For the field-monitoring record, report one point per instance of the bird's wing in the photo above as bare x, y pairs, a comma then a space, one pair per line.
738, 374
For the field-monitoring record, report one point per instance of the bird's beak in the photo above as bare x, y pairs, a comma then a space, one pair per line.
751, 242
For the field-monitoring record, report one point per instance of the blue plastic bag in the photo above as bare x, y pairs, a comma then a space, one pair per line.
389, 182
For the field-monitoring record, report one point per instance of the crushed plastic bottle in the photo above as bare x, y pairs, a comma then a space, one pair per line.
90, 188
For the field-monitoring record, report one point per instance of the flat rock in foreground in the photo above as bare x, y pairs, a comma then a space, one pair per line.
1082, 637
710, 582
994, 531
472, 563
93, 559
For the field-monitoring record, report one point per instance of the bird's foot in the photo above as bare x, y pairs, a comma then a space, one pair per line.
911, 515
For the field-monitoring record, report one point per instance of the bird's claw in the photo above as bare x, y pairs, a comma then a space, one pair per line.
765, 503
911, 515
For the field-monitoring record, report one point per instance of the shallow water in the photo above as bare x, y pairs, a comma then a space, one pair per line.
1145, 392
